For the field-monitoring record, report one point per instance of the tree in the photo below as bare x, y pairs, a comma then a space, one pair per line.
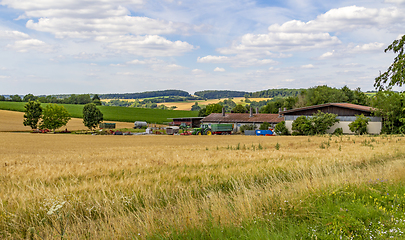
213, 108
202, 112
33, 112
359, 126
96, 100
195, 107
92, 116
2, 98
321, 122
239, 109
54, 117
281, 129
302, 126
29, 97
390, 106
15, 98
264, 126
395, 74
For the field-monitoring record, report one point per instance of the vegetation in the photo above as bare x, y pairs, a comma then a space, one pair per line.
265, 126
206, 187
149, 94
210, 108
54, 117
395, 74
273, 93
239, 109
247, 127
218, 94
359, 126
281, 129
33, 112
318, 123
391, 107
92, 116
122, 114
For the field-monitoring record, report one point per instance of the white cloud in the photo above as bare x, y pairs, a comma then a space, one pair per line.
218, 69
236, 61
126, 73
117, 65
4, 77
395, 1
307, 66
14, 35
30, 45
197, 71
369, 47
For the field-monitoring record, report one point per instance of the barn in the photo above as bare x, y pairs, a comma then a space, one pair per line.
346, 114
240, 119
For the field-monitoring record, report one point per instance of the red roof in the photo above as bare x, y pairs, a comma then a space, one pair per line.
243, 118
343, 105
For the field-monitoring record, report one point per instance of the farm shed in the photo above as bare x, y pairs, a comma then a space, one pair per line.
240, 119
190, 121
346, 114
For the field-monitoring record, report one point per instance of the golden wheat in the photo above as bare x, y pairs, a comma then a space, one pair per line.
130, 186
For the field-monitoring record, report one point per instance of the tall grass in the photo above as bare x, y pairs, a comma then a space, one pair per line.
158, 187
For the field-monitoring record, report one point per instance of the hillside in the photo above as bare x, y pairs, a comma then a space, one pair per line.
122, 114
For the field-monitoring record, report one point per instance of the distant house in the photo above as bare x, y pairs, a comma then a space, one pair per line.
346, 114
189, 121
240, 119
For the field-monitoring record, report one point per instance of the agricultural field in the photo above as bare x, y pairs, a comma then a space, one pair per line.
121, 114
11, 121
201, 187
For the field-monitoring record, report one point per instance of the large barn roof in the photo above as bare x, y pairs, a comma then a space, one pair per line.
341, 105
243, 118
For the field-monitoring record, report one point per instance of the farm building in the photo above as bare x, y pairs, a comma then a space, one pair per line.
346, 114
190, 121
240, 119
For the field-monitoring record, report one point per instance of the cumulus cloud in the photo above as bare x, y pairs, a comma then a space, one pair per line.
307, 66
31, 45
218, 69
148, 46
197, 71
351, 49
236, 61
14, 35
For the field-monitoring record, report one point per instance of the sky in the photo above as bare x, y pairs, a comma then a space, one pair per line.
123, 46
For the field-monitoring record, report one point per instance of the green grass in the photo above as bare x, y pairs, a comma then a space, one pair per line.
373, 210
122, 114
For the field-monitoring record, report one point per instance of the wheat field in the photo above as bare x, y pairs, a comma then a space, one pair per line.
132, 187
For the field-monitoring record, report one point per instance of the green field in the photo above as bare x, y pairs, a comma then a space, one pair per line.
122, 114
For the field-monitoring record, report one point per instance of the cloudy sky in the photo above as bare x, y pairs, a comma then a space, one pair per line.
118, 46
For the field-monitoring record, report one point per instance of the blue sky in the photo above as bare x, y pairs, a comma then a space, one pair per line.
102, 46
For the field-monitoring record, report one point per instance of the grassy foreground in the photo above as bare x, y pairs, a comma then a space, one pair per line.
122, 114
201, 187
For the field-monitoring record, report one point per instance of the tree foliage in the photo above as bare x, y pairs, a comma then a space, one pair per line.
217, 94
195, 107
213, 108
54, 117
281, 129
391, 107
264, 126
92, 116
395, 74
239, 109
33, 112
318, 123
359, 126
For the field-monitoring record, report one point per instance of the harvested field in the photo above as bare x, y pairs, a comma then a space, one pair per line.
11, 121
135, 187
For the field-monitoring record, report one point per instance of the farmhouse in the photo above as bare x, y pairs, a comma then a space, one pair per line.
240, 119
346, 114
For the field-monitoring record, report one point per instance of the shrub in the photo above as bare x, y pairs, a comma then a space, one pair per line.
247, 127
281, 129
264, 126
338, 131
359, 126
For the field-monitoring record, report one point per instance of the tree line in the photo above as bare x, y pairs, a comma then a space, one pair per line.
71, 99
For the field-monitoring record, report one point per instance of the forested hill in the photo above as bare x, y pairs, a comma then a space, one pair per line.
272, 93
149, 94
214, 94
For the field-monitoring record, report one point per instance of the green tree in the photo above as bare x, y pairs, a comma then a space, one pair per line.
92, 116
2, 98
96, 99
359, 126
302, 126
239, 109
29, 97
264, 126
202, 112
54, 117
395, 74
15, 98
321, 122
281, 129
33, 112
390, 106
195, 107
213, 108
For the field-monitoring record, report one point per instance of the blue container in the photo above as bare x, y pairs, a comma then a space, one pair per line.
264, 133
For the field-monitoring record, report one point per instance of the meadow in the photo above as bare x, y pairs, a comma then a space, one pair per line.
201, 187
122, 114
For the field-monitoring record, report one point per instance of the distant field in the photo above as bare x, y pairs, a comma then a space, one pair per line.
12, 121
122, 114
